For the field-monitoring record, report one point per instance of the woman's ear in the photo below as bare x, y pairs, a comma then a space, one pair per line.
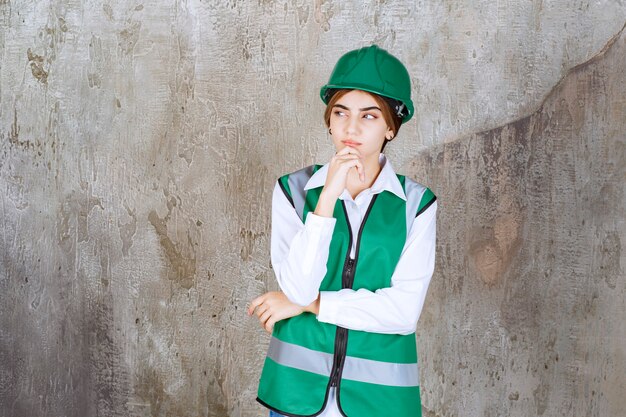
389, 135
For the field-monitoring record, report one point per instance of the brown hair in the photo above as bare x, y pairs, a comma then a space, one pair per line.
392, 120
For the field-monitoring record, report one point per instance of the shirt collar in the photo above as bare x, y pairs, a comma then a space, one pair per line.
387, 179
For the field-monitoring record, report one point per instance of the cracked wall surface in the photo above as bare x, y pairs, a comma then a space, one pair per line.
139, 144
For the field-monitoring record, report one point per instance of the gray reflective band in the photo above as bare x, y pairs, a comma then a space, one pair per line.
355, 369
300, 357
297, 181
414, 193
382, 373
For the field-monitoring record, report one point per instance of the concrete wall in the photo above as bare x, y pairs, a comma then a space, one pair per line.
139, 144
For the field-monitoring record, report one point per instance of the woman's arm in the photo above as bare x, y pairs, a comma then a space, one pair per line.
299, 252
396, 309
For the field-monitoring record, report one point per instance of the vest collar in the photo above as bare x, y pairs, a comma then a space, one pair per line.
386, 180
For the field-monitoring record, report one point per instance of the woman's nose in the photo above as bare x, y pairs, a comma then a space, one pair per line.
353, 126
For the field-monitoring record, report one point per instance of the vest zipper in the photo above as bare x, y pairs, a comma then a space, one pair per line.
347, 280
342, 333
340, 344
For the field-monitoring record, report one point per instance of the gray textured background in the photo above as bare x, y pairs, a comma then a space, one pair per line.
140, 141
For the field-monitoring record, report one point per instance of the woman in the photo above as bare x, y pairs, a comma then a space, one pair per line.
353, 249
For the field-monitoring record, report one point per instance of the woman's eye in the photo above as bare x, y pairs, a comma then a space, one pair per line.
369, 116
339, 113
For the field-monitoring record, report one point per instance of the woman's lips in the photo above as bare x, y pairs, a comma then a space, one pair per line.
350, 143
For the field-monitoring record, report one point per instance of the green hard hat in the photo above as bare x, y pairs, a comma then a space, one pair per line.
374, 70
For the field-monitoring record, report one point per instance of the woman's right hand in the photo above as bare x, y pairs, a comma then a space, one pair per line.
338, 168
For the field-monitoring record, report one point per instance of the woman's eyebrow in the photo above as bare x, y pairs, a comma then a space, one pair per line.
363, 109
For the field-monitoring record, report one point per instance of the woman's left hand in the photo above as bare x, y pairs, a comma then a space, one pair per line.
273, 306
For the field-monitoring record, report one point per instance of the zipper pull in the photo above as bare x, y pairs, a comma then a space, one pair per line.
350, 264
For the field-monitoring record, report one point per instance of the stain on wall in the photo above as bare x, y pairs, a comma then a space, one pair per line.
139, 146
538, 205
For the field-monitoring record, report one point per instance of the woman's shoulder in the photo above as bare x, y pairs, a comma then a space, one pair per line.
413, 185
418, 195
307, 170
296, 181
301, 175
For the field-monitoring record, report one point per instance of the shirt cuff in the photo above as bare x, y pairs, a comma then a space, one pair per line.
329, 307
325, 225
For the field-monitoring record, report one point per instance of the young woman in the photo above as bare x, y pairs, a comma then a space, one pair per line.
353, 249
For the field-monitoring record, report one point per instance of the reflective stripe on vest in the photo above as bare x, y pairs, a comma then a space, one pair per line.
355, 369
296, 182
414, 193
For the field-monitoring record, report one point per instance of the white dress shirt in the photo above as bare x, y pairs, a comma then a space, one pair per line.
299, 253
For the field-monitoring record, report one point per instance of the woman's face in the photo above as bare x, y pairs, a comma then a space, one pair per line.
357, 121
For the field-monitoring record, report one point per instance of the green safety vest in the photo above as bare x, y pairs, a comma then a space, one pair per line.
374, 374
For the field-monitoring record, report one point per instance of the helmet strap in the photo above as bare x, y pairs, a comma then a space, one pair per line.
329, 94
400, 110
